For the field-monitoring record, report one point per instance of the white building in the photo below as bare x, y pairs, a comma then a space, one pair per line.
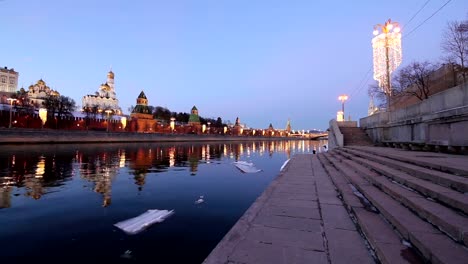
8, 83
105, 98
38, 92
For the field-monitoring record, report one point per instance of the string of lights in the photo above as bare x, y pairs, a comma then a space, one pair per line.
362, 84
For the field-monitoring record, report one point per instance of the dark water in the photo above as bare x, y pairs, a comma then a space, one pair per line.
60, 202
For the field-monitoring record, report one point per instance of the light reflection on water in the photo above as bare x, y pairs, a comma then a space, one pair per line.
67, 197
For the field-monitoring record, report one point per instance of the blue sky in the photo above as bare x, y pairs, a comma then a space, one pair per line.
261, 61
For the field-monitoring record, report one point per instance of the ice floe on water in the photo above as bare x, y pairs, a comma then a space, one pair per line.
284, 165
200, 200
137, 224
246, 167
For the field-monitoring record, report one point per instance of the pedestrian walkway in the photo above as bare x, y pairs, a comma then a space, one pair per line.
299, 218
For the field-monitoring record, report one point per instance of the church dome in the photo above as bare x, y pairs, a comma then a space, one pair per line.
110, 74
54, 93
105, 87
41, 82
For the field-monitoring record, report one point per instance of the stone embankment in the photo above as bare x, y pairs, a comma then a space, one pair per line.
23, 136
357, 205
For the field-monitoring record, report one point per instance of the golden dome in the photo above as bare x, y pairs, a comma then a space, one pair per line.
54, 93
110, 74
41, 82
105, 87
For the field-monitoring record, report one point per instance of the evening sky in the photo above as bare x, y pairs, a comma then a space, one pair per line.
261, 61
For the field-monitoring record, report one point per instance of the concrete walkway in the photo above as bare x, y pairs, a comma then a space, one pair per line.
298, 219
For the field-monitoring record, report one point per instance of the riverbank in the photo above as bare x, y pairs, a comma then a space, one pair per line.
34, 136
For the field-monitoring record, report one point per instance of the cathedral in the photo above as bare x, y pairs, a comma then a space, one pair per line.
104, 98
39, 92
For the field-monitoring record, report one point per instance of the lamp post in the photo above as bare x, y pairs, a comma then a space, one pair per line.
342, 98
108, 113
172, 124
11, 100
209, 123
386, 47
43, 116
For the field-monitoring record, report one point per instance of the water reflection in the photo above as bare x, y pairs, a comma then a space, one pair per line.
35, 171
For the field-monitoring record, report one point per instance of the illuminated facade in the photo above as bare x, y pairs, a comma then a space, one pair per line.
8, 81
39, 92
142, 118
105, 98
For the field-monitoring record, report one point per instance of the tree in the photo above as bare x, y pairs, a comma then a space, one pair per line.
415, 80
162, 113
455, 44
377, 93
219, 122
59, 105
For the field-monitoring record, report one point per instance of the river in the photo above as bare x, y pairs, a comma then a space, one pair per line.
62, 201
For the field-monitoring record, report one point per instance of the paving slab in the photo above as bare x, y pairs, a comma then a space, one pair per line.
294, 223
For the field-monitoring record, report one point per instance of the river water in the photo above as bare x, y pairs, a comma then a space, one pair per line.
60, 202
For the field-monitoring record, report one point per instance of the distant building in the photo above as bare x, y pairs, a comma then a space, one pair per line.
39, 92
105, 98
372, 108
288, 126
194, 118
142, 118
8, 83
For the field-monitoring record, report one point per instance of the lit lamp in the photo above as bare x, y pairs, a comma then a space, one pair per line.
203, 128
241, 131
123, 121
253, 132
11, 100
225, 129
108, 113
339, 116
172, 124
386, 47
209, 123
342, 98
43, 115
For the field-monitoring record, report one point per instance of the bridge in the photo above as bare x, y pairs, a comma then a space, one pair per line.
311, 135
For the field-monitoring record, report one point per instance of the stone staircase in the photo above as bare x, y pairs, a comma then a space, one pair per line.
355, 136
408, 212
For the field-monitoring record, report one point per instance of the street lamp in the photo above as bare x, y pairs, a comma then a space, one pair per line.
386, 47
342, 98
172, 124
43, 116
209, 123
11, 100
108, 113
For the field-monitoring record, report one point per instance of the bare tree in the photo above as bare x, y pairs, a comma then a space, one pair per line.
455, 44
378, 94
415, 80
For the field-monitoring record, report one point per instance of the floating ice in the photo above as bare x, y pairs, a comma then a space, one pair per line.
200, 200
284, 164
137, 224
246, 167
127, 254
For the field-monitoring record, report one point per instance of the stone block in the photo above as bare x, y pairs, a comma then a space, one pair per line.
336, 216
346, 246
285, 222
